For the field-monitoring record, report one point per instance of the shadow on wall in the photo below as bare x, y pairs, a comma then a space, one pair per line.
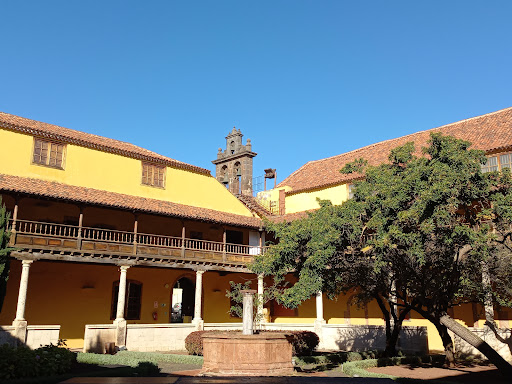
363, 338
96, 345
7, 336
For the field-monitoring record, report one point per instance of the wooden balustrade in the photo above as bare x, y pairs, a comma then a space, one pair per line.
122, 239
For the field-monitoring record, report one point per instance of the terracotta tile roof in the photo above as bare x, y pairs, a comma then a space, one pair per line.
288, 217
254, 206
49, 189
491, 132
55, 132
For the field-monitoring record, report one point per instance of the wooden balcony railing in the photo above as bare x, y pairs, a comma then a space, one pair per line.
50, 235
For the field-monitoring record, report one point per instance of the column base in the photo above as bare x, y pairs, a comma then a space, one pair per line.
319, 330
120, 333
20, 331
199, 323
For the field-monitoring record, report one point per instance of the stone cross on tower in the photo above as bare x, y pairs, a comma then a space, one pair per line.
233, 166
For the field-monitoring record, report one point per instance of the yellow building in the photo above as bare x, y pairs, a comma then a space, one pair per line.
118, 243
321, 179
91, 215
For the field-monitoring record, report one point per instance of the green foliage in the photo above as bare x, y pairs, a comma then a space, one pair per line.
5, 250
357, 166
132, 359
418, 229
359, 367
44, 361
146, 369
303, 342
194, 343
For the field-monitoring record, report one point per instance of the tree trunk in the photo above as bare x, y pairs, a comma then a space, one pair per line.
392, 339
447, 342
392, 328
469, 337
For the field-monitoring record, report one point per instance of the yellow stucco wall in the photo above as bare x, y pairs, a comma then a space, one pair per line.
76, 294
308, 200
90, 168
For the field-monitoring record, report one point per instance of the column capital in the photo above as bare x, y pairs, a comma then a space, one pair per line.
200, 271
26, 263
124, 268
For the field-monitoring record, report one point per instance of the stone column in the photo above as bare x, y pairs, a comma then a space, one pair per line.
120, 322
80, 225
319, 322
224, 244
183, 232
261, 317
12, 240
19, 323
198, 321
248, 303
135, 230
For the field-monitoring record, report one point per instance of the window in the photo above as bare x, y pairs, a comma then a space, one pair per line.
351, 188
48, 153
133, 300
505, 160
153, 175
497, 163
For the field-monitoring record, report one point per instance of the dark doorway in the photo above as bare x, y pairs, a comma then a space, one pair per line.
182, 301
234, 237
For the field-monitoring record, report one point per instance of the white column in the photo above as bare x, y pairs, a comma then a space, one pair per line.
320, 322
121, 296
198, 300
22, 296
261, 318
247, 318
319, 307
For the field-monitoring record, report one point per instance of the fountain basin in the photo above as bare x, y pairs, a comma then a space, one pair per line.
231, 354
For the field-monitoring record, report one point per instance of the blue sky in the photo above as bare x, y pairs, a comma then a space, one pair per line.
302, 79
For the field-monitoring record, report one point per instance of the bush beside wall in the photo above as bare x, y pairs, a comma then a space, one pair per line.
24, 362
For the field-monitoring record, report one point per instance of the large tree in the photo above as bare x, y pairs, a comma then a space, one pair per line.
417, 225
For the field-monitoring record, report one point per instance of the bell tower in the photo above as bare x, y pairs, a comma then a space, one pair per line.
233, 166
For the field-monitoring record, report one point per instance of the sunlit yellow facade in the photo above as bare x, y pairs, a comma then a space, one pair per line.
96, 169
75, 294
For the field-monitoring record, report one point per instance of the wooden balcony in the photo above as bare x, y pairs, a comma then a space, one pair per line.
74, 243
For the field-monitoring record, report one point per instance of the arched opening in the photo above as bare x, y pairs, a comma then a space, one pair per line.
224, 176
238, 177
182, 301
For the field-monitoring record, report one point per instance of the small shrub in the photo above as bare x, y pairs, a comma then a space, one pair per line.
354, 356
52, 360
304, 343
146, 369
194, 343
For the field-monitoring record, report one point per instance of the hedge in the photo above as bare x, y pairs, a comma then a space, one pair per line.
132, 359
337, 358
359, 368
23, 362
303, 342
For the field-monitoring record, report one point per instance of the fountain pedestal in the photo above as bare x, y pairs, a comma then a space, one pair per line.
233, 353
230, 353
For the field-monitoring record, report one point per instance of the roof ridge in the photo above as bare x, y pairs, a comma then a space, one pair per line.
411, 134
40, 127
392, 139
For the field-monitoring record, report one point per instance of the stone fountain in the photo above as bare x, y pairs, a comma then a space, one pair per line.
246, 353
